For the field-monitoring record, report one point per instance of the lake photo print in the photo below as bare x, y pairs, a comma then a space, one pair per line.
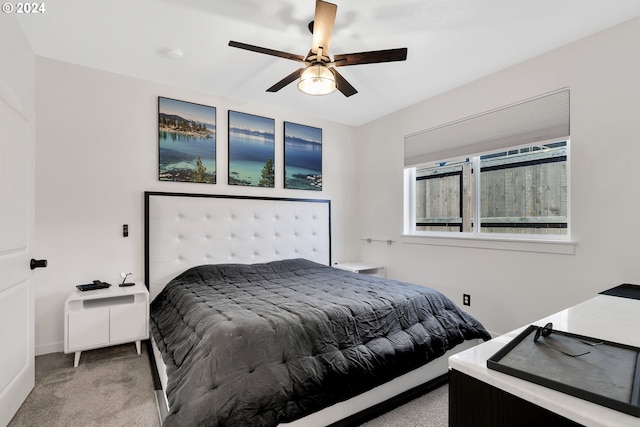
251, 150
186, 141
302, 157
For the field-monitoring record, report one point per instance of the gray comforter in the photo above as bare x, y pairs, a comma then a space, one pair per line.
255, 345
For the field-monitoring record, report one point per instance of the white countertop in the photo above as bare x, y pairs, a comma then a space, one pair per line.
605, 317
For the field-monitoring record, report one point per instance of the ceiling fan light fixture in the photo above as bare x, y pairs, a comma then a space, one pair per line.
317, 79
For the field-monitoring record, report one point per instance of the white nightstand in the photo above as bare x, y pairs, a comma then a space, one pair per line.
362, 268
105, 317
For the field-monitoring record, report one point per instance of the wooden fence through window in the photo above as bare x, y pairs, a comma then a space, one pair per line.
521, 194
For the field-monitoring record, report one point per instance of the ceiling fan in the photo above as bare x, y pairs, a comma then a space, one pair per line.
319, 75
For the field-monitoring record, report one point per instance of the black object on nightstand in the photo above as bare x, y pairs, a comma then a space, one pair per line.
97, 284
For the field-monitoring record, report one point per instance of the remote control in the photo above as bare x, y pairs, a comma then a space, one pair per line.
97, 284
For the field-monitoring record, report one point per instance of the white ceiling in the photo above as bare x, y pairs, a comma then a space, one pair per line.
450, 43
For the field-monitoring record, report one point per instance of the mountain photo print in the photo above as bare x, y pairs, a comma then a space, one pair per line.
186, 141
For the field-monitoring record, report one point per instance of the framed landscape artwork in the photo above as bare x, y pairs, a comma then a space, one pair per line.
251, 150
302, 157
186, 141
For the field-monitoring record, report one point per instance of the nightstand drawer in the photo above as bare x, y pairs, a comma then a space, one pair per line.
127, 323
88, 328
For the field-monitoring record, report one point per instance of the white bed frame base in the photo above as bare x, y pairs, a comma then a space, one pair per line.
186, 230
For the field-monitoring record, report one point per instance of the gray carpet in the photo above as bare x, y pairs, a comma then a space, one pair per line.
111, 387
429, 410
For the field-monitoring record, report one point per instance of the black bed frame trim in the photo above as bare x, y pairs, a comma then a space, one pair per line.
148, 194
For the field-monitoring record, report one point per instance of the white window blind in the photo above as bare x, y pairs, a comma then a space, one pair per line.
538, 119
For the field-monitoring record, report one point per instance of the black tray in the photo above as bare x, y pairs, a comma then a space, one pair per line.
609, 375
626, 290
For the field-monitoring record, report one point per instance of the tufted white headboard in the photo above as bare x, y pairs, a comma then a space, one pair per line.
186, 230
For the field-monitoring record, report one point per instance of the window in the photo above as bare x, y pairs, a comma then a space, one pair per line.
517, 191
443, 196
509, 179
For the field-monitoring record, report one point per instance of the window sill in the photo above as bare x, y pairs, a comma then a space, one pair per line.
562, 247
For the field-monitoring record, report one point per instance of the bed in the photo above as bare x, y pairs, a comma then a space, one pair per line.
251, 325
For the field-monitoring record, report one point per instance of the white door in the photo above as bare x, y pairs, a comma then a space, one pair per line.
17, 138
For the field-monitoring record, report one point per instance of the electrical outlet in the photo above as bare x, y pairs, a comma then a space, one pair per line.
466, 299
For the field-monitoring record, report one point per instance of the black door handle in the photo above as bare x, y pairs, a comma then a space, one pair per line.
37, 263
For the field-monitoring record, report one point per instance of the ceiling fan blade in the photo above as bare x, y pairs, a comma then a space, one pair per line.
372, 57
267, 51
323, 21
282, 83
343, 85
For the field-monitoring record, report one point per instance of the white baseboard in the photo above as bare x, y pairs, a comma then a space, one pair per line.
57, 347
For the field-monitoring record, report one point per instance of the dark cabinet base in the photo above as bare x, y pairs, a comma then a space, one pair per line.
474, 403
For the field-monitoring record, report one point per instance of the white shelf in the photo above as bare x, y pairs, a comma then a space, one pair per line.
362, 268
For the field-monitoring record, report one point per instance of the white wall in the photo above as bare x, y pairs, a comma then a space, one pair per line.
509, 289
96, 153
